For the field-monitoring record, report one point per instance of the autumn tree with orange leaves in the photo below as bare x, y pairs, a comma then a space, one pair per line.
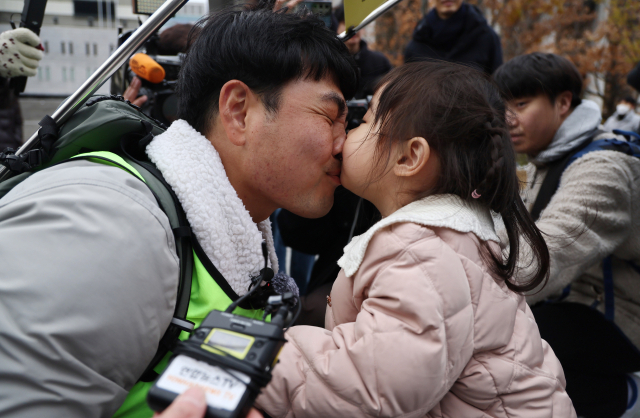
602, 38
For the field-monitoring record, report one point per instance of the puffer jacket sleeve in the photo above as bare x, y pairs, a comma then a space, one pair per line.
586, 220
402, 354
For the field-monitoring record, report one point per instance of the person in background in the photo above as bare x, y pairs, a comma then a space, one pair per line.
625, 117
20, 54
455, 31
588, 212
373, 64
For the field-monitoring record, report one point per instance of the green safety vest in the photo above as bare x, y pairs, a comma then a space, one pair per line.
206, 295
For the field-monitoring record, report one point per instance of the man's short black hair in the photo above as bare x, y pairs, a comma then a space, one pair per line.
263, 49
539, 73
629, 99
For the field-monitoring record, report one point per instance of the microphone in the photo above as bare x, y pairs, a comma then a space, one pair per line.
146, 67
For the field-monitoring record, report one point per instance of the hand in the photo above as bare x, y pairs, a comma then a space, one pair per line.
131, 93
192, 404
20, 53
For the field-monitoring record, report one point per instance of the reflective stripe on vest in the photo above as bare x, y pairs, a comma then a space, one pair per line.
206, 296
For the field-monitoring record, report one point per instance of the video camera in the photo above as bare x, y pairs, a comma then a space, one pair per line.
162, 103
229, 356
355, 112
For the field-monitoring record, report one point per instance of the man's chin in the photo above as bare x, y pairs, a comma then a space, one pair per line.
314, 210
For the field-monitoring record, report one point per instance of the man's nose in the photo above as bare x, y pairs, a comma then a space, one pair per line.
338, 142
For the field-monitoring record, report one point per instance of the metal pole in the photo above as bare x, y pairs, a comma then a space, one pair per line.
372, 16
106, 70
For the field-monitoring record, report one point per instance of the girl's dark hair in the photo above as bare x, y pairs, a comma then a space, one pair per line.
460, 113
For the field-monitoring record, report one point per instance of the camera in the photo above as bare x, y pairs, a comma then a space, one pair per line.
229, 356
356, 110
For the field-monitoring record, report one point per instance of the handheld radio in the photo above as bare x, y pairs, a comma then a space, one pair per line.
229, 356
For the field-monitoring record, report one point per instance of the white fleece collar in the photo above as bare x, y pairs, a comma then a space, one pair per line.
218, 218
448, 211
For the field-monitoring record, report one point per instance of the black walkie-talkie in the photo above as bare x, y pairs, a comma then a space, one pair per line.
229, 356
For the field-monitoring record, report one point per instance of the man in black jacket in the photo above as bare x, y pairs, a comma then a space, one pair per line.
373, 65
456, 31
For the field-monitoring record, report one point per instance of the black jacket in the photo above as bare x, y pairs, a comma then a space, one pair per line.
465, 37
10, 117
328, 235
373, 65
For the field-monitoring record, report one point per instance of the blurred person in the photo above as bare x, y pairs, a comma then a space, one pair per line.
625, 117
20, 55
588, 214
426, 318
633, 78
455, 31
373, 64
90, 269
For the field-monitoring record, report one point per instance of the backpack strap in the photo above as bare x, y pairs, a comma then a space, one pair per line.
169, 204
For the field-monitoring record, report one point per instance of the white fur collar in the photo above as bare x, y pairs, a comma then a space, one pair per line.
218, 218
447, 211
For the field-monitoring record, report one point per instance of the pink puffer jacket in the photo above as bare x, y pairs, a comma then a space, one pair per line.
421, 329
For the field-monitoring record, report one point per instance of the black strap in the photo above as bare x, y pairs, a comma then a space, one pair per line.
552, 180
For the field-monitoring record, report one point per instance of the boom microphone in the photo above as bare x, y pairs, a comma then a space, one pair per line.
146, 67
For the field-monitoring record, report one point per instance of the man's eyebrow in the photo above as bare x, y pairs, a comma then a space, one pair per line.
338, 100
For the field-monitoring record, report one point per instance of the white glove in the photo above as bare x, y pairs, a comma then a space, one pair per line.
19, 53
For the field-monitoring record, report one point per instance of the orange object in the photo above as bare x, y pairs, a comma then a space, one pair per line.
146, 67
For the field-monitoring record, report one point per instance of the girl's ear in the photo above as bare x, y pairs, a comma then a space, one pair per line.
412, 158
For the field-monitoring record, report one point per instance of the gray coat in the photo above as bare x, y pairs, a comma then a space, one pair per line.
89, 281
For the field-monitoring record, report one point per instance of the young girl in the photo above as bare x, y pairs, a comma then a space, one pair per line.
425, 318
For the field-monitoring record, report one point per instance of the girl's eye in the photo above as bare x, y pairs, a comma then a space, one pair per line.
521, 104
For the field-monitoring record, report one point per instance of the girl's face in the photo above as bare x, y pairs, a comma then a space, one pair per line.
359, 174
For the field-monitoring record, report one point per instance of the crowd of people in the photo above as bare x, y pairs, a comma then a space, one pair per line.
447, 280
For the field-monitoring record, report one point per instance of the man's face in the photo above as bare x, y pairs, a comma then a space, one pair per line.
446, 8
294, 161
533, 122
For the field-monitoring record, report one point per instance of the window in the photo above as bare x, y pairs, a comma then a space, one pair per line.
47, 73
70, 48
39, 73
88, 72
95, 49
72, 74
62, 47
64, 73
46, 47
87, 48
111, 47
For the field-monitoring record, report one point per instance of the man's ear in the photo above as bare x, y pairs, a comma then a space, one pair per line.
412, 158
233, 106
563, 103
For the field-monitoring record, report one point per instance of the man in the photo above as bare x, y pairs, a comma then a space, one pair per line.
591, 215
625, 117
455, 31
90, 271
373, 64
